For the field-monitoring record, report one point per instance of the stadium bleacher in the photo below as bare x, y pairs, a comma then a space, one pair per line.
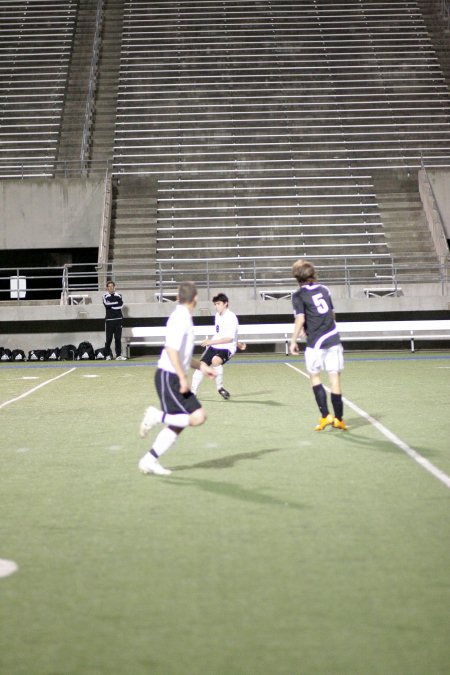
264, 125
35, 48
264, 122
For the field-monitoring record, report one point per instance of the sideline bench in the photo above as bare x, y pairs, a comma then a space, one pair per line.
273, 333
277, 294
383, 292
372, 292
78, 299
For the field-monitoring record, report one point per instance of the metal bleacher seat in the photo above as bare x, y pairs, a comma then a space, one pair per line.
263, 123
35, 47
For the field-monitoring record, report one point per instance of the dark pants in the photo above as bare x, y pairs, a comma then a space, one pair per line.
113, 329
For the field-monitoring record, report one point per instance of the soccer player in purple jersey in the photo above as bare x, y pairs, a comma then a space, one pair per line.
314, 318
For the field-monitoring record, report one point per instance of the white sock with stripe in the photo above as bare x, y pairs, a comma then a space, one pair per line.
164, 440
180, 420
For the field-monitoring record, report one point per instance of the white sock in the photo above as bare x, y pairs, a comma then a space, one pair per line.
180, 420
196, 379
219, 376
164, 440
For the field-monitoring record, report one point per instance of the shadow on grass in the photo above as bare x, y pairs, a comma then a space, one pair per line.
362, 443
379, 445
243, 398
265, 402
236, 492
231, 490
226, 462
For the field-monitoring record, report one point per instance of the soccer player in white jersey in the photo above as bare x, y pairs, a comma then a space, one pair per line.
180, 407
314, 317
222, 346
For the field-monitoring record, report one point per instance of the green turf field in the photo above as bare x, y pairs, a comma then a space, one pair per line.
270, 550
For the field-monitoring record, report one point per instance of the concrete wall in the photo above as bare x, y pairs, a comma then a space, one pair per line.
51, 213
440, 182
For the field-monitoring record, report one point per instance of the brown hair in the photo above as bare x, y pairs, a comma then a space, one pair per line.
304, 272
187, 291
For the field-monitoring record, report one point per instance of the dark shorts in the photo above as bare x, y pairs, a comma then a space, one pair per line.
210, 353
172, 401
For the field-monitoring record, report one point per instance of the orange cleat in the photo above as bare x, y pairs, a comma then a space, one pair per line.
324, 422
339, 424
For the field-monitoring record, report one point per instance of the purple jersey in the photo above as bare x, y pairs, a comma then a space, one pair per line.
314, 301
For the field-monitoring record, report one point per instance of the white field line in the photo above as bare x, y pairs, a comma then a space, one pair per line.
413, 454
31, 391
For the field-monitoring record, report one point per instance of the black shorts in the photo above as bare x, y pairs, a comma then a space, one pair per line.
172, 401
210, 353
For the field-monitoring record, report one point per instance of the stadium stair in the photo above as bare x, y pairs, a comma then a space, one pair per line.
77, 88
132, 251
107, 83
407, 232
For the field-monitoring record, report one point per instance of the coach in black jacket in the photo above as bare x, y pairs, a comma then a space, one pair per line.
113, 322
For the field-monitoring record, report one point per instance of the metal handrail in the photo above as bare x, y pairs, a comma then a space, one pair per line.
105, 228
90, 99
444, 10
433, 213
251, 273
33, 168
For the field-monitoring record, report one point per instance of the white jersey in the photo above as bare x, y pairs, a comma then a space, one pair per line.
179, 336
226, 326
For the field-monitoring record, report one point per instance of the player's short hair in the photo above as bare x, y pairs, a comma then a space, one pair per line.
110, 281
304, 271
220, 297
187, 291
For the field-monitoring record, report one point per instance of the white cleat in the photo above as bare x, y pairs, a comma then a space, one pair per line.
121, 358
151, 418
148, 464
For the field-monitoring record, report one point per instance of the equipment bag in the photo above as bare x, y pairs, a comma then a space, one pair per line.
100, 353
85, 351
37, 355
68, 353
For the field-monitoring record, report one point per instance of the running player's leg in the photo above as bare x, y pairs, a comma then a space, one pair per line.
313, 362
179, 410
220, 358
334, 364
197, 377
